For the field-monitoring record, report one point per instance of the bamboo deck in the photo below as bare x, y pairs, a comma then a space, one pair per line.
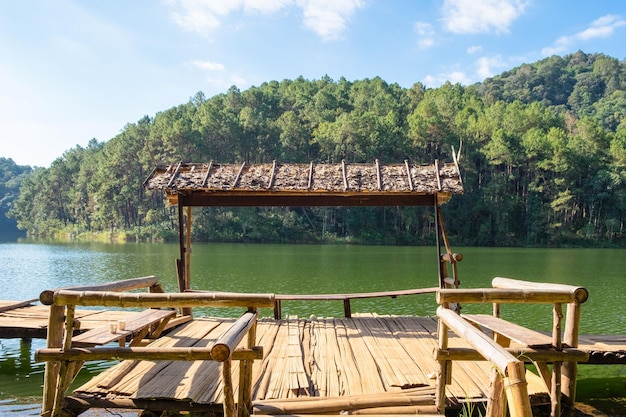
367, 359
368, 356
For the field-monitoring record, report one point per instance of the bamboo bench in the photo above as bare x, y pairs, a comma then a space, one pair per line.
64, 360
136, 327
559, 348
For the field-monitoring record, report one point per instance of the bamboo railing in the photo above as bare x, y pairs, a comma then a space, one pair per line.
63, 362
508, 383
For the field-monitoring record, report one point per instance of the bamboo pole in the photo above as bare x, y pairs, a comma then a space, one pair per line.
229, 395
505, 295
52, 355
181, 266
51, 373
443, 368
555, 391
525, 354
47, 297
186, 311
487, 347
578, 294
245, 375
225, 345
570, 367
516, 390
337, 404
188, 250
496, 403
159, 300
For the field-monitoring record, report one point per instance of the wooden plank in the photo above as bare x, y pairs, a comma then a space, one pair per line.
12, 305
133, 324
519, 334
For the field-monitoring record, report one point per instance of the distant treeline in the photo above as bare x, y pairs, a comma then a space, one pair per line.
543, 159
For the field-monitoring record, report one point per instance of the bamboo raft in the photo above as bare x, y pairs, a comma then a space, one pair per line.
336, 364
383, 365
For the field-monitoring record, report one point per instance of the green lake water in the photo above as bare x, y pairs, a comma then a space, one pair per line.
27, 268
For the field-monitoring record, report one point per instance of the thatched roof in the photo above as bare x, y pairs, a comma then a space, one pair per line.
275, 184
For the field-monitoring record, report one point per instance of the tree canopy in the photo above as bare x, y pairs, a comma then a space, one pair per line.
543, 159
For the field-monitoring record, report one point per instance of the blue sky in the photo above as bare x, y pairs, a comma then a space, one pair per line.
74, 70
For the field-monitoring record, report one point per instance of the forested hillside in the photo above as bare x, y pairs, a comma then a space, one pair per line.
11, 177
543, 159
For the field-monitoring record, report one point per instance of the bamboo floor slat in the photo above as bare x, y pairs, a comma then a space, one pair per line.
315, 358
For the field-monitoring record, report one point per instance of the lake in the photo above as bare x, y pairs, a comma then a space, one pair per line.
27, 268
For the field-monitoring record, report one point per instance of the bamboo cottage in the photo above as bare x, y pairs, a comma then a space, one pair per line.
173, 362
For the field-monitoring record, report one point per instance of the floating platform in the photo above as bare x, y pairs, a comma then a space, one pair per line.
366, 360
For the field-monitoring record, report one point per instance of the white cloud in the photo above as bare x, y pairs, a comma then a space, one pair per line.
201, 16
476, 16
206, 65
474, 49
603, 27
454, 77
486, 65
426, 34
328, 18
225, 83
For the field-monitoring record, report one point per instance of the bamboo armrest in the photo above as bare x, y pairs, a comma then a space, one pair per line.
226, 344
522, 335
507, 296
485, 346
579, 294
133, 325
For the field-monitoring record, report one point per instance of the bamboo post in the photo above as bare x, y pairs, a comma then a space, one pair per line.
555, 390
516, 390
496, 404
570, 369
443, 368
51, 373
67, 369
181, 241
229, 395
188, 250
245, 376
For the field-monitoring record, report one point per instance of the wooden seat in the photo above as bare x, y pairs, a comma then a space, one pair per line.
558, 348
510, 331
136, 326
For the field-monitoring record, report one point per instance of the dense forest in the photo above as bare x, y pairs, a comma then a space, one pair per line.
11, 177
543, 159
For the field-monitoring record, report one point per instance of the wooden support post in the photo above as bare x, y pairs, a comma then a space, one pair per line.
181, 241
443, 369
51, 373
555, 390
570, 369
278, 310
244, 406
516, 389
496, 404
67, 369
188, 250
229, 395
347, 311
